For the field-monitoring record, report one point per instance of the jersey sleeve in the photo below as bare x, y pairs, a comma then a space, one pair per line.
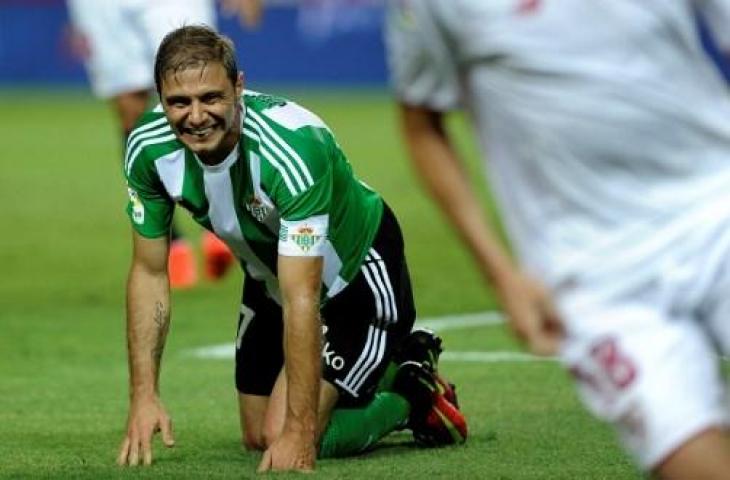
304, 211
422, 71
716, 13
149, 208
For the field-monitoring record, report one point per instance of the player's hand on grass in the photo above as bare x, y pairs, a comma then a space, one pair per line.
531, 313
291, 451
146, 417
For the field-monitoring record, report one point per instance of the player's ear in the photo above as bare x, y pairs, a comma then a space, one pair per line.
239, 84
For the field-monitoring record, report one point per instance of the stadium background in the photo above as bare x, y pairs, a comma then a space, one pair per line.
64, 249
321, 43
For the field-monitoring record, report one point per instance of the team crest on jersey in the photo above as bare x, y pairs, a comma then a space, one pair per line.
305, 238
258, 209
137, 207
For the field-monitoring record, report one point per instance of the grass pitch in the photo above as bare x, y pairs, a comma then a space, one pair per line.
64, 251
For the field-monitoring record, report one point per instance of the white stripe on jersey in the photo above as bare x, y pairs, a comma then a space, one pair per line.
338, 284
171, 170
332, 265
251, 134
268, 152
151, 141
272, 218
143, 128
290, 151
145, 131
280, 168
223, 218
369, 359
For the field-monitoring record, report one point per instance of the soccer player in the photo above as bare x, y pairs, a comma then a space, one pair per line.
327, 299
118, 40
605, 128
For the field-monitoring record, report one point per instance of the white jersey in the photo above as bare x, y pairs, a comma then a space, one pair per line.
122, 37
602, 121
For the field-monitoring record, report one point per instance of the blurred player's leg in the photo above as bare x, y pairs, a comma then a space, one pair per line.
129, 106
655, 376
704, 457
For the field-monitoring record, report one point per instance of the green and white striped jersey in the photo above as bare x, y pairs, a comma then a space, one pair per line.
287, 189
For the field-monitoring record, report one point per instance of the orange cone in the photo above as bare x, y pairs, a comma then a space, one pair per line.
181, 265
218, 257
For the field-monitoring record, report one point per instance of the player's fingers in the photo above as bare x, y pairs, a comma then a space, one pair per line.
167, 437
133, 458
552, 319
265, 464
123, 452
147, 450
544, 343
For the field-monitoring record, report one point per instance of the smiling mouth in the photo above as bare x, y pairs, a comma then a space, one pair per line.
199, 132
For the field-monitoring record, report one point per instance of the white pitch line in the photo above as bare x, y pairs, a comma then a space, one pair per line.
492, 357
448, 322
465, 320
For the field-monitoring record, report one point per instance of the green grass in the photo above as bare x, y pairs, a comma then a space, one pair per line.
64, 252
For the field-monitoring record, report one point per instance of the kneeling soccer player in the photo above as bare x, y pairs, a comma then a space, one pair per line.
327, 298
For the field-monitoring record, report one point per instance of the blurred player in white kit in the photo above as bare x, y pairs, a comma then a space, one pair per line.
118, 40
606, 131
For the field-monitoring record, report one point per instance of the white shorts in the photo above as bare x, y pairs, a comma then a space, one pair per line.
122, 37
647, 359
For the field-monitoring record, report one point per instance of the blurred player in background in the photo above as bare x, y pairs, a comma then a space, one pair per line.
118, 40
606, 129
327, 302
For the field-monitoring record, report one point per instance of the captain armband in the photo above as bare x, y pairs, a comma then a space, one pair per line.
304, 238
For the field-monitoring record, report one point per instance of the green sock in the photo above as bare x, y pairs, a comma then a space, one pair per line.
352, 430
386, 382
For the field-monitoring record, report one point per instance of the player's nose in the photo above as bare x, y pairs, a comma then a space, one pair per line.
197, 114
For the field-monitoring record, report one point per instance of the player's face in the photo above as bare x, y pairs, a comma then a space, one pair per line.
202, 106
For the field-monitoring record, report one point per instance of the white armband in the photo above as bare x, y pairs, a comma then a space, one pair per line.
304, 238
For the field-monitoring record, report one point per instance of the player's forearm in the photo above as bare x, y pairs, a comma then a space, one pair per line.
300, 281
302, 353
441, 171
148, 320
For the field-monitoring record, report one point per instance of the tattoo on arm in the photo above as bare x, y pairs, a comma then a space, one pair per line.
162, 320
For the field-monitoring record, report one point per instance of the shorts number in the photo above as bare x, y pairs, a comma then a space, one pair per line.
619, 368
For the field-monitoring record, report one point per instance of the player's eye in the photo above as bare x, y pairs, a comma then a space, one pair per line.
178, 102
211, 98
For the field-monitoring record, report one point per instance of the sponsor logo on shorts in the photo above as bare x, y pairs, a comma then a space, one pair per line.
305, 238
329, 355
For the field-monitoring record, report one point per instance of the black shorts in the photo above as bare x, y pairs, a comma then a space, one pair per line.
361, 325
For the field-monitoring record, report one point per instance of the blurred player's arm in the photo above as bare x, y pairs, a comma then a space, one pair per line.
526, 303
300, 279
148, 320
248, 11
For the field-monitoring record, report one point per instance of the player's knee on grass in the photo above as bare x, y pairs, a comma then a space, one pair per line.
253, 441
252, 409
